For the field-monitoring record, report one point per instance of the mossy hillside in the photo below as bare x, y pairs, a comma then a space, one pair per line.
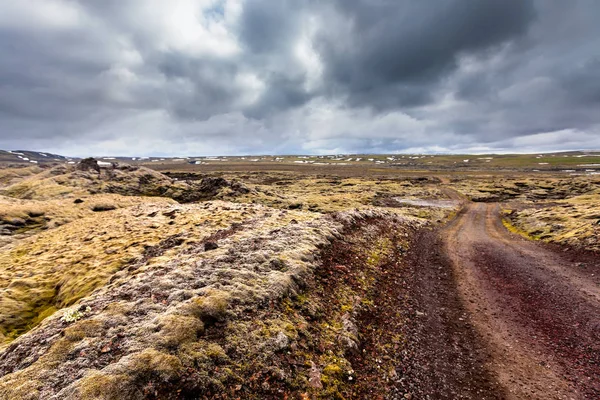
10, 175
512, 228
556, 209
369, 255
307, 345
70, 181
335, 194
244, 318
70, 261
331, 195
524, 187
18, 216
574, 222
63, 180
171, 307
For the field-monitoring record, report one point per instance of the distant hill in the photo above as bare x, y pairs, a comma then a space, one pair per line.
567, 161
30, 157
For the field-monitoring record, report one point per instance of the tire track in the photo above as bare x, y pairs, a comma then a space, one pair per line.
539, 317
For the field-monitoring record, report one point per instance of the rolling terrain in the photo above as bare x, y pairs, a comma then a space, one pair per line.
300, 278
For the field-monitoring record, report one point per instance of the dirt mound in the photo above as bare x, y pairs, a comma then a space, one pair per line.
152, 324
257, 316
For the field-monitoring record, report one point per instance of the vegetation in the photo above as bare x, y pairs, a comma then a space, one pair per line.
123, 282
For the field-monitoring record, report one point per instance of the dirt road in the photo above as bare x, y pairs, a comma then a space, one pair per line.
536, 311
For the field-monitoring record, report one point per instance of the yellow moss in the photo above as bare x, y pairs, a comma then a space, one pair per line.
57, 353
13, 175
573, 221
100, 386
178, 329
151, 361
82, 329
332, 377
214, 351
20, 389
346, 308
118, 308
333, 370
379, 250
149, 364
201, 354
512, 228
25, 383
320, 195
56, 268
211, 306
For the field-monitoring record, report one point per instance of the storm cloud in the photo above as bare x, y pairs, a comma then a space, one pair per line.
132, 77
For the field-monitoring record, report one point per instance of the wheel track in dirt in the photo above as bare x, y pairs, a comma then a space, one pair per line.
538, 315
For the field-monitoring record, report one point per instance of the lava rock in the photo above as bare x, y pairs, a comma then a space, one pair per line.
210, 246
87, 164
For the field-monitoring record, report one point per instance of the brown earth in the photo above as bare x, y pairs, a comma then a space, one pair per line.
536, 309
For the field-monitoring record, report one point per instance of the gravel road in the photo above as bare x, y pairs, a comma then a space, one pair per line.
534, 309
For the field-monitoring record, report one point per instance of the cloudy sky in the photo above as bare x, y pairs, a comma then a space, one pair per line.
209, 77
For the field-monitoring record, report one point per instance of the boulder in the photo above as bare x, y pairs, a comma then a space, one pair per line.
210, 246
87, 164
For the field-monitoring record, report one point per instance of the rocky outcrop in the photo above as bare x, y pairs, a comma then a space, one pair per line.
88, 164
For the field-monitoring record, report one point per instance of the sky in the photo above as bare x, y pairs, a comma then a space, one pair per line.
233, 77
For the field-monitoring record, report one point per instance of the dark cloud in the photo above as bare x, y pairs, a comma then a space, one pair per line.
261, 76
195, 88
270, 26
582, 83
394, 53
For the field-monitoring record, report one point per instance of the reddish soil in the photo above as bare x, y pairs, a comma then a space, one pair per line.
537, 310
481, 313
415, 297
444, 357
466, 311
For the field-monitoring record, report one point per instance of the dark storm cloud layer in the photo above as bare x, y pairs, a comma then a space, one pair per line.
395, 53
240, 76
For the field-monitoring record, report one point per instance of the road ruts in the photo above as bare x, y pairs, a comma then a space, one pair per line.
538, 314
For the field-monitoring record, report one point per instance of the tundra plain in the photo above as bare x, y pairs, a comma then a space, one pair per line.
300, 277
